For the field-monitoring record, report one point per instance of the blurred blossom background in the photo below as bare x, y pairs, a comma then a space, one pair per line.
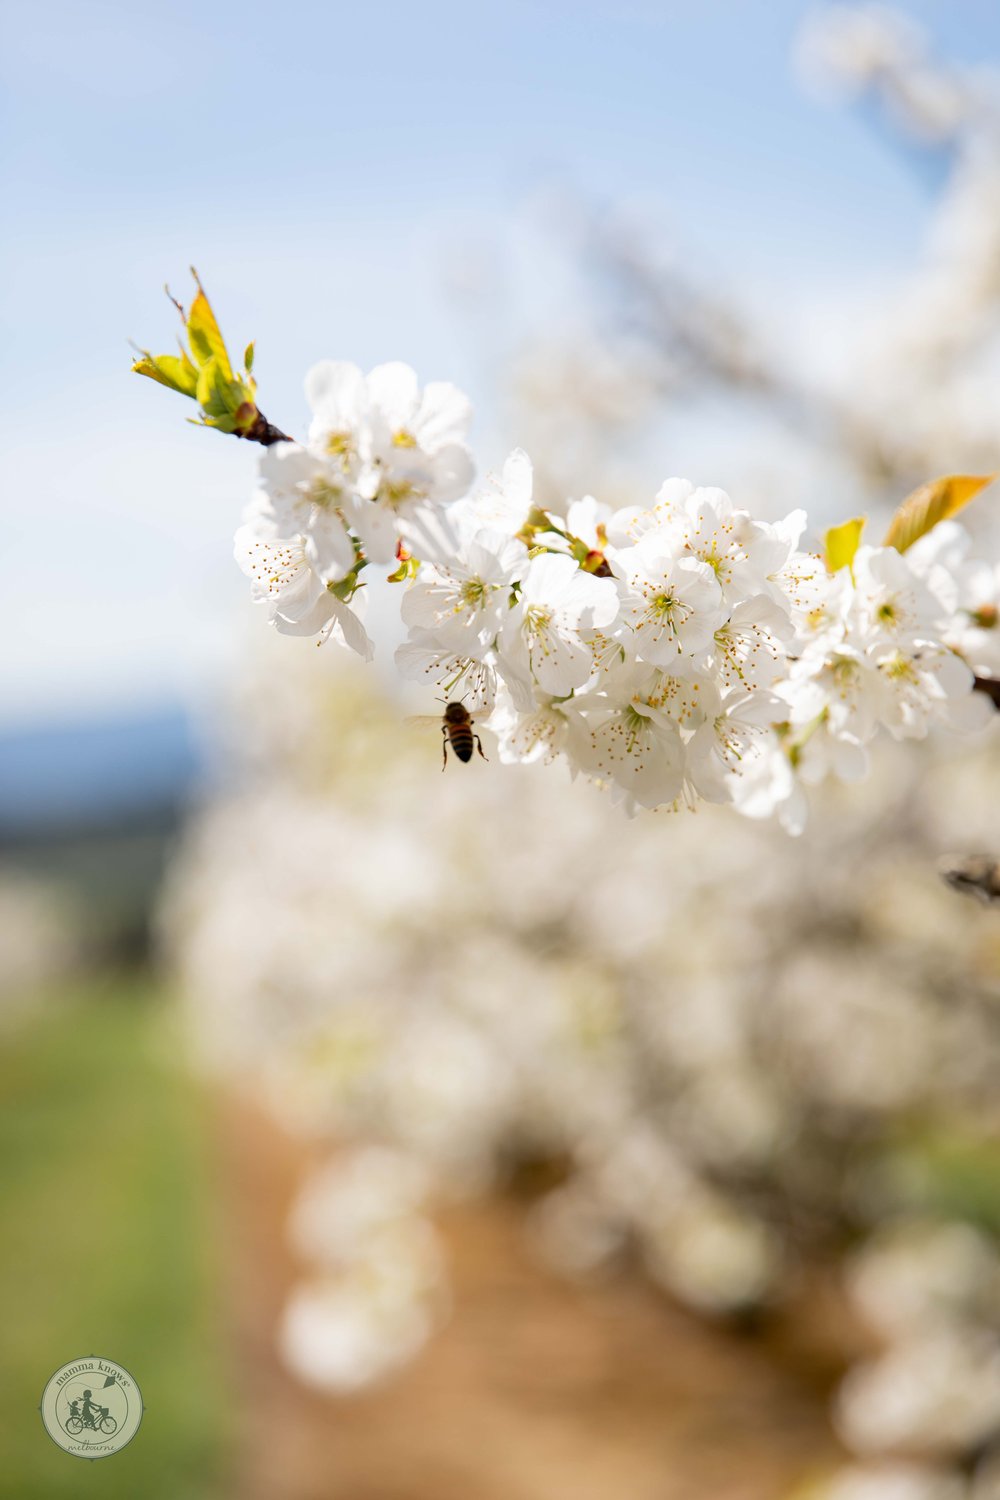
411, 1136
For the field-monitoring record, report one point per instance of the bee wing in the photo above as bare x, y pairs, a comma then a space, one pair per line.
423, 721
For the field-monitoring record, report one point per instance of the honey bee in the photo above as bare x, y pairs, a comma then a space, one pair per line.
457, 730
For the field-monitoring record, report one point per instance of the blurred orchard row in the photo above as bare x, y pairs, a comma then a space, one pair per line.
740, 1057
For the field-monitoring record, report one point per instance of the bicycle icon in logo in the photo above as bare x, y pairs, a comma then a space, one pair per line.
97, 1418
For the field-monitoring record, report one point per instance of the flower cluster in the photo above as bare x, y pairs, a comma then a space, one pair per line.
379, 449
678, 652
893, 645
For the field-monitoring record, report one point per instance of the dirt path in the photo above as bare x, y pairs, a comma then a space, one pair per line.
536, 1390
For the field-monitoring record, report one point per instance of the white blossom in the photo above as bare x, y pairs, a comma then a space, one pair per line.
545, 636
302, 496
542, 730
463, 591
423, 658
672, 604
735, 733
891, 608
284, 576
969, 590
707, 526
390, 444
932, 685
636, 747
504, 502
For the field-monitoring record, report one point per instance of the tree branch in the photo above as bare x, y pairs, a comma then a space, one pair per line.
991, 687
261, 431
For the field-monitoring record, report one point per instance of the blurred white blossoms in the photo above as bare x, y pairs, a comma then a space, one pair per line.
881, 650
932, 1393
379, 1291
970, 591
932, 1292
509, 972
894, 1481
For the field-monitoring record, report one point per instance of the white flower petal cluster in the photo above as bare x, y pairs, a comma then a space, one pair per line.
379, 448
389, 444
687, 652
676, 653
638, 645
969, 590
882, 648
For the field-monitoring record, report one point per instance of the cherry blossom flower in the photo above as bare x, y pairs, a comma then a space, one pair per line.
423, 658
392, 444
731, 737
545, 634
284, 577
504, 502
671, 604
542, 731
462, 592
302, 495
636, 748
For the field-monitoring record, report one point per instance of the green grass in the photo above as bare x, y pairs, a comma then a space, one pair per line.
105, 1235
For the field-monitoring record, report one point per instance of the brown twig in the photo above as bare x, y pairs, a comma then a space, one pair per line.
263, 432
991, 687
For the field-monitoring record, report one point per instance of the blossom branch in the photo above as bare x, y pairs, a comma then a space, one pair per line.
677, 651
264, 432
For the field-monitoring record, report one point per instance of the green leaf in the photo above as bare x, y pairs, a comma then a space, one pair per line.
224, 422
933, 502
248, 357
172, 370
203, 332
841, 542
226, 400
232, 394
208, 375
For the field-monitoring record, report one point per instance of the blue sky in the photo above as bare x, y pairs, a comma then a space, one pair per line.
320, 164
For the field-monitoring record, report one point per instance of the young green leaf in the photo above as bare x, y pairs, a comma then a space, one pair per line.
226, 401
841, 542
208, 378
172, 370
933, 502
203, 332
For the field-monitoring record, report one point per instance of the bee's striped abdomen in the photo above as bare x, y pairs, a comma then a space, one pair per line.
461, 739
